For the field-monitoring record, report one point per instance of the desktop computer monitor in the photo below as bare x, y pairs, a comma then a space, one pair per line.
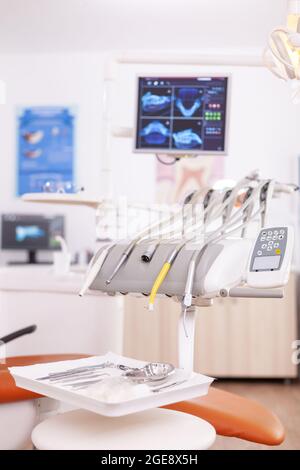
182, 115
31, 232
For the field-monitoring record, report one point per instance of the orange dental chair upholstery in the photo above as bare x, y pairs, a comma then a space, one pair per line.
230, 414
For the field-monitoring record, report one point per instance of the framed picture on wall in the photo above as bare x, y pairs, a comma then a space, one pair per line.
45, 149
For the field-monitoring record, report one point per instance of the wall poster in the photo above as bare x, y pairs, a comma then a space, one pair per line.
45, 149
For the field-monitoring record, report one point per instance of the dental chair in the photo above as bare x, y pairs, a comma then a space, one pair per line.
21, 410
231, 415
193, 271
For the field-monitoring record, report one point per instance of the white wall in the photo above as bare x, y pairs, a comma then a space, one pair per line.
263, 126
54, 80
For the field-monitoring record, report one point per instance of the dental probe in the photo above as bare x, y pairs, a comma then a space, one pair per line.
126, 253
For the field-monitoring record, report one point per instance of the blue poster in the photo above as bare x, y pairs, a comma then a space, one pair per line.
45, 148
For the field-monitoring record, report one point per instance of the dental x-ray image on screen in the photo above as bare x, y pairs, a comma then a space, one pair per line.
182, 115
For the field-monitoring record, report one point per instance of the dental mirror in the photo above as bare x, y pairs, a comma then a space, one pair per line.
154, 371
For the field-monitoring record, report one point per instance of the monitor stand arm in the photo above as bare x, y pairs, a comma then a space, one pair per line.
32, 259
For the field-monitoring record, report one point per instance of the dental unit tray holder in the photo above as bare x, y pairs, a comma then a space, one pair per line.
179, 386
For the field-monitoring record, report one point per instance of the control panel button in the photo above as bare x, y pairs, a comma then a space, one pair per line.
270, 242
270, 233
281, 231
269, 248
280, 237
276, 245
264, 246
259, 253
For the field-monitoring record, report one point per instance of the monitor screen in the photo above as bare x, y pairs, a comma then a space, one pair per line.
182, 115
31, 232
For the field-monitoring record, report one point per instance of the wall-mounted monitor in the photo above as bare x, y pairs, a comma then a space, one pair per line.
31, 232
182, 115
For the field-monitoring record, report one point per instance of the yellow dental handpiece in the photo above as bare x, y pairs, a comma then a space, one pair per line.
158, 282
163, 273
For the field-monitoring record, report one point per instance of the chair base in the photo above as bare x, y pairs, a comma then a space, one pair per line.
156, 429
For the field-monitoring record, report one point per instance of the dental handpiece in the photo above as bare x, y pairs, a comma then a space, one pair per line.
121, 261
266, 195
187, 298
94, 267
137, 239
233, 220
240, 212
230, 196
147, 256
163, 273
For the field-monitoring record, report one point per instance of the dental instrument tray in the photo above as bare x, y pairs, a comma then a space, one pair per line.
98, 383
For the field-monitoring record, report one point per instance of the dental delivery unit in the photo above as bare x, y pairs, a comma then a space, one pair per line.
217, 244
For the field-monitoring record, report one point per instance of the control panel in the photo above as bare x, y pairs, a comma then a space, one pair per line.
271, 257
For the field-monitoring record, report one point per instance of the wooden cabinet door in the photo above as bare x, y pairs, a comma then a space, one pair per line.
234, 337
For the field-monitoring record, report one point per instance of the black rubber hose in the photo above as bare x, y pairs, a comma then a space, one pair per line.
17, 334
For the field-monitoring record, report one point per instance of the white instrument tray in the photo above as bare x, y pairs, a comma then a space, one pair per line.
27, 377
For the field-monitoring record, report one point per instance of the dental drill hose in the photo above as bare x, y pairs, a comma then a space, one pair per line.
158, 282
162, 274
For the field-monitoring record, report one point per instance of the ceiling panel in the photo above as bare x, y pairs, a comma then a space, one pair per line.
81, 25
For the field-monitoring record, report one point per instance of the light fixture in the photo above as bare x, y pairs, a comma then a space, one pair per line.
282, 55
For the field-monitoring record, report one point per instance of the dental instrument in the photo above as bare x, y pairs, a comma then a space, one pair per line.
266, 195
152, 372
187, 297
158, 225
167, 265
163, 273
247, 207
75, 377
163, 387
95, 266
150, 251
126, 253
